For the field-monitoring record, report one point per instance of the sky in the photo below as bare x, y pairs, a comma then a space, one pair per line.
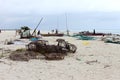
102, 15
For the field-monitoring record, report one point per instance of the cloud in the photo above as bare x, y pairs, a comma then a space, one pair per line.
57, 6
87, 14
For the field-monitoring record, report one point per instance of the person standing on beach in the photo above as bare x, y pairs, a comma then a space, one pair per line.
56, 31
52, 31
38, 34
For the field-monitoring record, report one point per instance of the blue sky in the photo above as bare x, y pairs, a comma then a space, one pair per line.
102, 15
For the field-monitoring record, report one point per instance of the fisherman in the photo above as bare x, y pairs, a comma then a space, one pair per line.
38, 34
56, 31
52, 31
94, 31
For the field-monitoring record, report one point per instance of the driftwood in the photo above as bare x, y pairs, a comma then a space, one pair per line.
91, 62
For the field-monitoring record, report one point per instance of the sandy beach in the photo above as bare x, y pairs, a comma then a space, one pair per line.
93, 60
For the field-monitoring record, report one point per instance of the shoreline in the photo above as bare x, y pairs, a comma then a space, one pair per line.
71, 31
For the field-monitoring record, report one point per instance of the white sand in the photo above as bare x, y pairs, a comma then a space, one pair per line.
105, 63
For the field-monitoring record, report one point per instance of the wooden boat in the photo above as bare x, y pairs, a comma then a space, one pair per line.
59, 34
96, 34
111, 41
87, 33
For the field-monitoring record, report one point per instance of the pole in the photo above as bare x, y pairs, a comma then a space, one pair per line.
37, 26
67, 25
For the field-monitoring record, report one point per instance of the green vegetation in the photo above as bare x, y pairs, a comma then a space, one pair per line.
25, 28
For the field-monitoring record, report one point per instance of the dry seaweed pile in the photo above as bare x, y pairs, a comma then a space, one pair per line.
23, 55
54, 56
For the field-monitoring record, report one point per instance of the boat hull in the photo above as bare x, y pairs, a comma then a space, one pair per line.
52, 34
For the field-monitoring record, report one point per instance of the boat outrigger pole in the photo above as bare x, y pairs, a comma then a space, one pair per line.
37, 26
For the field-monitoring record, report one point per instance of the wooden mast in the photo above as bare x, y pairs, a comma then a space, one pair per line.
67, 25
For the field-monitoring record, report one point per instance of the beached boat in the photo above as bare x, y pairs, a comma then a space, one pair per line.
83, 37
111, 41
59, 34
91, 34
